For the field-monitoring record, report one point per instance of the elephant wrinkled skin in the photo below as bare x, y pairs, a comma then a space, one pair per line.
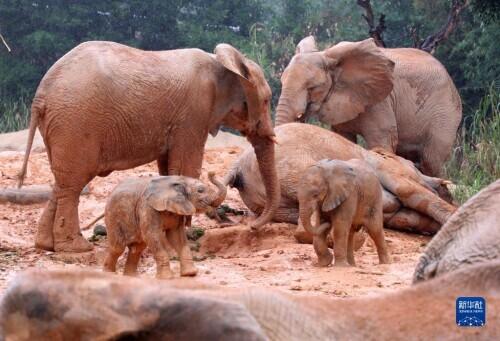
470, 236
149, 211
58, 305
345, 196
401, 100
105, 106
412, 199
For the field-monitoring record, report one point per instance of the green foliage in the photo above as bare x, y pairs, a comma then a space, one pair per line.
14, 115
476, 158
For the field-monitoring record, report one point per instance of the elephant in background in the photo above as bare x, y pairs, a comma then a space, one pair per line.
65, 305
401, 100
105, 106
413, 197
470, 236
149, 211
345, 196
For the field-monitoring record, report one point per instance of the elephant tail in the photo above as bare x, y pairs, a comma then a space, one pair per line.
37, 110
234, 178
95, 220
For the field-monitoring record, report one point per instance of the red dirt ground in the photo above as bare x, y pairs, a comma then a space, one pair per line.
231, 256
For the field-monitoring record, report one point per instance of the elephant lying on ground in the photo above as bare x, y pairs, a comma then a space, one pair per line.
53, 305
401, 100
471, 235
411, 204
105, 106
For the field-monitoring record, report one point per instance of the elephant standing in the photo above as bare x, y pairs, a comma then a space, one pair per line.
149, 211
471, 235
348, 196
65, 305
104, 106
401, 100
302, 145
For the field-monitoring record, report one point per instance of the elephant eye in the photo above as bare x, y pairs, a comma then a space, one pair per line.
201, 189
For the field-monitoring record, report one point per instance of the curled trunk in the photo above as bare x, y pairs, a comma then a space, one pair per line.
264, 150
221, 193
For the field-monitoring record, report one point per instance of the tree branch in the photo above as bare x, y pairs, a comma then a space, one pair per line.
5, 43
430, 43
375, 32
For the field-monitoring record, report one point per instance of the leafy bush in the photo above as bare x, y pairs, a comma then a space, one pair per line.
475, 162
14, 115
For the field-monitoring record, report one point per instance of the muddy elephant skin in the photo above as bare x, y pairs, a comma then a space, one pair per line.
105, 106
402, 100
470, 236
149, 211
64, 305
412, 199
346, 196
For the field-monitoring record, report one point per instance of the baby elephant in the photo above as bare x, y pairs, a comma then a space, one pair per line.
345, 196
148, 211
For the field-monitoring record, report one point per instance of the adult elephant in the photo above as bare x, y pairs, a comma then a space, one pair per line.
84, 305
401, 100
105, 106
411, 200
470, 236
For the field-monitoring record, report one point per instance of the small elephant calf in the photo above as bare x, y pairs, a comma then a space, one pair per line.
348, 195
148, 211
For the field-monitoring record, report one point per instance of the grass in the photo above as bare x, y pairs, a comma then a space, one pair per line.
475, 162
14, 115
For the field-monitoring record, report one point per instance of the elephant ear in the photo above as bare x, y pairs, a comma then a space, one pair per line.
308, 44
362, 76
254, 84
169, 194
340, 179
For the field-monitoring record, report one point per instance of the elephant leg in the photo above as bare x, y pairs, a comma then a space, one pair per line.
114, 252
162, 163
66, 229
155, 240
379, 127
411, 221
375, 229
350, 248
325, 257
133, 257
44, 238
177, 238
341, 229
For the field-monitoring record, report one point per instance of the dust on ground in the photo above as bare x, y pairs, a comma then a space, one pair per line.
231, 256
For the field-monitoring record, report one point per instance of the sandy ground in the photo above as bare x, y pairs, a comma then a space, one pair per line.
231, 256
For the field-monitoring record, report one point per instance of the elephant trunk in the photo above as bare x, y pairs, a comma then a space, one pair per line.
305, 213
264, 150
218, 197
285, 112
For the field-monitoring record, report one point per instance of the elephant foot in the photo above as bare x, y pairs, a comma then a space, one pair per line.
165, 274
75, 244
341, 264
188, 270
302, 236
325, 260
131, 273
384, 259
44, 241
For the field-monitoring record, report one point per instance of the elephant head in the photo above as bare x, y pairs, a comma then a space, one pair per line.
336, 84
253, 120
183, 195
324, 187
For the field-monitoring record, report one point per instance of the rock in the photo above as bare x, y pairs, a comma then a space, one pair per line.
100, 230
